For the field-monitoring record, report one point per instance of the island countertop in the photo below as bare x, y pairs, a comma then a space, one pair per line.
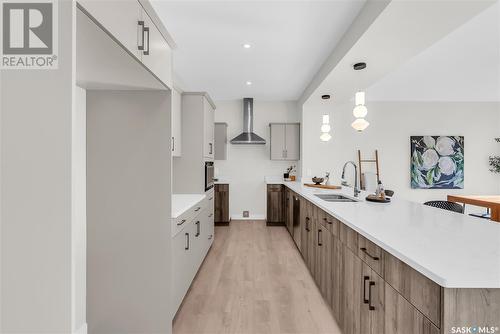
453, 250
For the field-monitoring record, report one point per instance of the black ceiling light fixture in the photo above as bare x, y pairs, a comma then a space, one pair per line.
359, 66
325, 97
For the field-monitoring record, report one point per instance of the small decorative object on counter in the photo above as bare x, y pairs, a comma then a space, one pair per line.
327, 178
287, 175
317, 180
380, 190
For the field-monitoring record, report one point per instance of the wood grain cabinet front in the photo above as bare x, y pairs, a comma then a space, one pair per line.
221, 203
275, 204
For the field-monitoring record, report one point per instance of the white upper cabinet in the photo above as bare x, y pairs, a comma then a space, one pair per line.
129, 24
209, 117
157, 55
123, 27
220, 141
292, 142
285, 141
176, 123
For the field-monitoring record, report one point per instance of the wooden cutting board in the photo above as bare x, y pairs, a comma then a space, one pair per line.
322, 186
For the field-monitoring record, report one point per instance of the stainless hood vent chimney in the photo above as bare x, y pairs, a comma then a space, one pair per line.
248, 137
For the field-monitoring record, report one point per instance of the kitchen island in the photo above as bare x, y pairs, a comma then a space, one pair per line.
399, 267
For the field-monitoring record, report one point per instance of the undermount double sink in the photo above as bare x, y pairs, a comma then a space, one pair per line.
335, 198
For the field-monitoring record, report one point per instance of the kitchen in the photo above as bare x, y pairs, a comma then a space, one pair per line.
273, 184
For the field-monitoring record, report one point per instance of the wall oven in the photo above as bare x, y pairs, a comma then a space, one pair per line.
209, 175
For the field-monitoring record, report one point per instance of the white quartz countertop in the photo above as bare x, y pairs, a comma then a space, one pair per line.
183, 202
222, 180
453, 250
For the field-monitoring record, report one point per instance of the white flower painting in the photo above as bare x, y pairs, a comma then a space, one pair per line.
437, 162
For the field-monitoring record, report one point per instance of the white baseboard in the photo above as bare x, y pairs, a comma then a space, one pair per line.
253, 217
82, 329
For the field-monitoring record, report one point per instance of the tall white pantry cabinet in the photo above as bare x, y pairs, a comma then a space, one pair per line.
112, 275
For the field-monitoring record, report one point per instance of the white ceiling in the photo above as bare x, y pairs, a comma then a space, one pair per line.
290, 41
463, 66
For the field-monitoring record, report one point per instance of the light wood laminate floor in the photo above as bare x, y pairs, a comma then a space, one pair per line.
254, 280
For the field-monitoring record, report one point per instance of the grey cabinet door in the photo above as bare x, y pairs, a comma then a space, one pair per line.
220, 141
292, 142
277, 141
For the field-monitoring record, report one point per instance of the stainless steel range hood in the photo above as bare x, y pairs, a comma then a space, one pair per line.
248, 137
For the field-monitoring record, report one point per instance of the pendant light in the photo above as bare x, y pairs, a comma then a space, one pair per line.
360, 111
325, 126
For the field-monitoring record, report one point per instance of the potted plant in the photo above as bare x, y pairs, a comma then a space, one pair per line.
495, 161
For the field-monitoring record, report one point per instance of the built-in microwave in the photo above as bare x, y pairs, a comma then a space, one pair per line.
209, 175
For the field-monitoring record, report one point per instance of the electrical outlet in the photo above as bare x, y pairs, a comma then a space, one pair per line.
246, 214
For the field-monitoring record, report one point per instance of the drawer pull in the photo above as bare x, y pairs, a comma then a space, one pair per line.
197, 229
326, 220
365, 279
375, 258
210, 237
370, 306
210, 215
211, 198
181, 222
197, 209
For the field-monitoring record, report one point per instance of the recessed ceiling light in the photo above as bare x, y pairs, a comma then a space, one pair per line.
247, 46
249, 83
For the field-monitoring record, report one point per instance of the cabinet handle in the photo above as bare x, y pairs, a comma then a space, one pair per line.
187, 241
181, 222
141, 25
146, 51
326, 220
197, 209
375, 258
197, 229
210, 145
210, 215
319, 238
370, 306
173, 144
307, 224
365, 279
211, 198
210, 237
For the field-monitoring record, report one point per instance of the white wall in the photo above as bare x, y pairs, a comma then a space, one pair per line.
392, 123
247, 165
36, 192
79, 211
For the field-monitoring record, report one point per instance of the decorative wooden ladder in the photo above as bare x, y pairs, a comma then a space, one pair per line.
361, 161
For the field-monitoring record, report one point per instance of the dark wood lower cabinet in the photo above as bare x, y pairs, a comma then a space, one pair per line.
372, 292
289, 210
402, 317
372, 315
275, 204
352, 283
221, 204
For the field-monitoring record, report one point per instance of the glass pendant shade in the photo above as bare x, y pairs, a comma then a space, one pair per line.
360, 111
325, 136
360, 124
325, 128
360, 98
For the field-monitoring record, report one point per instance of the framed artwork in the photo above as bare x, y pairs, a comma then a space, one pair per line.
437, 162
